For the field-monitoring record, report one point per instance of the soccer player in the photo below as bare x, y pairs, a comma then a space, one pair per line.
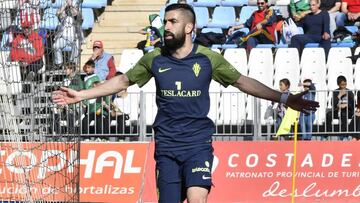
183, 71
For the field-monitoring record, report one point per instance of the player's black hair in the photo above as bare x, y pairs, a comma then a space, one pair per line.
186, 8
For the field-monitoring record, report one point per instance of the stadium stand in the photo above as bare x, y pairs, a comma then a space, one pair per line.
313, 67
94, 3
206, 3
232, 109
51, 21
88, 18
223, 17
202, 17
150, 104
286, 65
237, 58
260, 67
246, 12
129, 58
50, 4
214, 93
357, 75
234, 3
211, 29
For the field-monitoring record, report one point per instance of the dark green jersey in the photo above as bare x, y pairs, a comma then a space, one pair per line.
182, 94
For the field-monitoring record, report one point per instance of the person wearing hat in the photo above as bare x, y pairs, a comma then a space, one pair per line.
104, 62
66, 35
27, 49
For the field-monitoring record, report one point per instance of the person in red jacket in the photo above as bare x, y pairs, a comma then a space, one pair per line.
27, 49
261, 24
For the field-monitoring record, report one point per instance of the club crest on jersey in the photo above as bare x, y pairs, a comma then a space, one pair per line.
196, 68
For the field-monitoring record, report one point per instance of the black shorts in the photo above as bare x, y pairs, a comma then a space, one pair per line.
176, 173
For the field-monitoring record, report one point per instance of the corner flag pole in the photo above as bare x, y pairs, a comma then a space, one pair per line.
294, 160
291, 117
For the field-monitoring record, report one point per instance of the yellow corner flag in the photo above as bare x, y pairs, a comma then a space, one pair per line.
289, 119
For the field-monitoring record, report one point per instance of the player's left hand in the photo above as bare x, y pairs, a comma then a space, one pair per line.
297, 103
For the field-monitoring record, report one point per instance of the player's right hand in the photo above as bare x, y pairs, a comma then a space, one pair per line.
65, 96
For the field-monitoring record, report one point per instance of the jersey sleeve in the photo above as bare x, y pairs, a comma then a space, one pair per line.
222, 71
141, 73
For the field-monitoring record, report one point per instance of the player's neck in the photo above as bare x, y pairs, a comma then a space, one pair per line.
183, 51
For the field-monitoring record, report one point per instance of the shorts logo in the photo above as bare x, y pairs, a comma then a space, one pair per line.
206, 177
161, 70
207, 164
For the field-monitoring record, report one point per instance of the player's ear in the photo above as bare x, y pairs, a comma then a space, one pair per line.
189, 28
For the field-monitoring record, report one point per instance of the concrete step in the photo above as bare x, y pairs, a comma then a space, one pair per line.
116, 37
133, 8
118, 19
115, 44
111, 51
114, 29
138, 2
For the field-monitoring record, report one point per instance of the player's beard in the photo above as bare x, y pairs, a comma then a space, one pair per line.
175, 43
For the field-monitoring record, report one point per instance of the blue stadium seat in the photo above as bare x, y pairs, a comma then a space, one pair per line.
312, 45
202, 16
50, 21
88, 16
48, 4
343, 44
265, 45
190, 2
94, 3
215, 30
234, 2
246, 12
206, 3
223, 17
352, 28
162, 12
229, 46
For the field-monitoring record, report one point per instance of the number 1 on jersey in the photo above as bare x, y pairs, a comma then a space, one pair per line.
178, 85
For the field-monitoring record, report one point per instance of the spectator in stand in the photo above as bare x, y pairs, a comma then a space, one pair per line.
27, 49
73, 79
342, 107
299, 9
307, 120
280, 109
261, 24
350, 13
354, 125
104, 62
28, 9
156, 29
66, 35
332, 7
69, 113
95, 111
316, 28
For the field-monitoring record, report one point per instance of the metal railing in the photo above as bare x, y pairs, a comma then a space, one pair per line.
237, 116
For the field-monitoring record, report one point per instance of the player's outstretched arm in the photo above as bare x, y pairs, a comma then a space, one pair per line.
257, 89
65, 96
